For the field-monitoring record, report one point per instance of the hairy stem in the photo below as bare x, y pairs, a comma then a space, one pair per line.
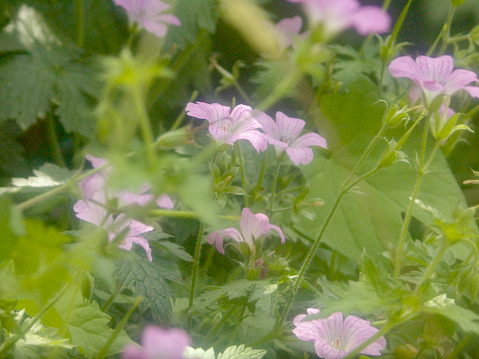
273, 189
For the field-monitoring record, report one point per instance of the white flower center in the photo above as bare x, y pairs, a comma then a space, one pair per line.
336, 344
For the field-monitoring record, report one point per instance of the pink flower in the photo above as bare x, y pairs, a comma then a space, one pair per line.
252, 226
338, 15
434, 76
287, 30
159, 343
147, 14
229, 127
334, 337
94, 211
283, 134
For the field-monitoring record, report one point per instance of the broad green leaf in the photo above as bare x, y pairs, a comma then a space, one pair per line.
369, 216
149, 280
194, 15
88, 325
465, 318
48, 175
176, 250
46, 76
105, 26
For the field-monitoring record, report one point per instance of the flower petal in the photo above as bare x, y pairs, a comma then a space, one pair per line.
371, 19
288, 127
218, 237
211, 112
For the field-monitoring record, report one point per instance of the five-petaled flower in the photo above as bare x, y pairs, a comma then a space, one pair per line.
148, 14
433, 77
159, 343
252, 226
338, 15
334, 337
229, 126
283, 134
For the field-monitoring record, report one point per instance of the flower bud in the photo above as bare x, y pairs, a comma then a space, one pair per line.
395, 116
475, 35
174, 138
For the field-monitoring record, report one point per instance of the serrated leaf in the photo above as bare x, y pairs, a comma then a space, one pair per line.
148, 279
242, 352
48, 175
105, 26
176, 250
199, 353
194, 15
48, 75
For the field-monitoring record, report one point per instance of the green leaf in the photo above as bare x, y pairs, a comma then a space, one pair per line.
105, 26
48, 175
242, 352
149, 280
88, 325
199, 353
12, 161
48, 75
194, 15
176, 250
369, 216
465, 318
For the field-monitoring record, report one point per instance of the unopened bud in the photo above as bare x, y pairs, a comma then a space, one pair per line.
174, 138
395, 116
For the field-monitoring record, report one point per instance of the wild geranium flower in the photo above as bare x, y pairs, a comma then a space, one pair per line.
252, 226
434, 76
284, 135
148, 14
287, 30
159, 343
229, 126
334, 337
338, 15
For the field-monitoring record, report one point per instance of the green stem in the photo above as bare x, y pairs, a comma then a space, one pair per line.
383, 331
53, 141
80, 15
242, 171
182, 115
118, 329
145, 125
422, 170
9, 343
196, 264
273, 189
316, 243
257, 189
447, 31
399, 23
184, 214
432, 266
287, 83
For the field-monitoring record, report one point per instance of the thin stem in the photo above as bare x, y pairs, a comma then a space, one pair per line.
53, 141
273, 189
145, 125
182, 115
447, 30
196, 263
80, 15
242, 171
316, 243
118, 329
422, 170
184, 214
432, 266
383, 331
285, 86
260, 178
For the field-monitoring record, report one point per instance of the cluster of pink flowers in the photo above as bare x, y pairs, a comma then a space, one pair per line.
93, 209
334, 337
243, 123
